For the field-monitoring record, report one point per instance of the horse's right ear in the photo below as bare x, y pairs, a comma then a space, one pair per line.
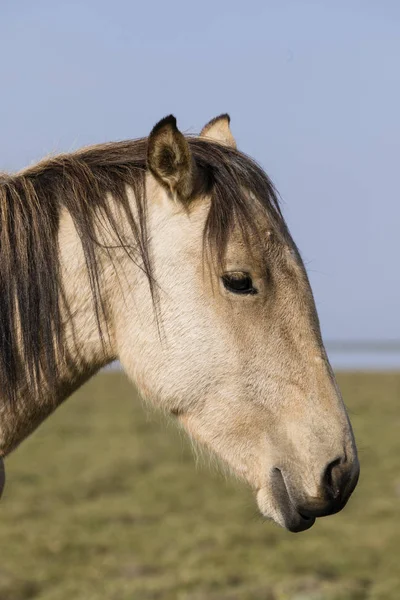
169, 158
218, 129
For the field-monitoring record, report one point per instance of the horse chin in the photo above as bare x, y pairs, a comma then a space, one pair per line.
2, 476
282, 512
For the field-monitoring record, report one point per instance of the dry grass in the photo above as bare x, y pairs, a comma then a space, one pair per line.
105, 502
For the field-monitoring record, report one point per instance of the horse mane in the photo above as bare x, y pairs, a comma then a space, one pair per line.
31, 325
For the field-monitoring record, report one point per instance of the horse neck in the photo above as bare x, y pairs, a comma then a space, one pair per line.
84, 352
88, 346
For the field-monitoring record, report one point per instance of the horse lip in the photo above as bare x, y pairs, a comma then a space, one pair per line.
298, 525
294, 520
287, 515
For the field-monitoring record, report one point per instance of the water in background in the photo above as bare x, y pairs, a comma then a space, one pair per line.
365, 356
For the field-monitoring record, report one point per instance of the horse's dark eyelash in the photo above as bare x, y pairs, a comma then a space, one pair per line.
229, 278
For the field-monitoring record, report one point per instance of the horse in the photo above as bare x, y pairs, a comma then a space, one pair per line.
171, 254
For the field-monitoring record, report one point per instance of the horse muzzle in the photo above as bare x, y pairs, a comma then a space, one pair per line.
286, 501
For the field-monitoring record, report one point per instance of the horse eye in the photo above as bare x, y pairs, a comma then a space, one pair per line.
238, 283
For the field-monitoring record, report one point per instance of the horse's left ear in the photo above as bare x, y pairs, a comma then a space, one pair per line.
219, 130
169, 158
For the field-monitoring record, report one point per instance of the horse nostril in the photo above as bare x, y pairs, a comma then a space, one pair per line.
333, 477
339, 478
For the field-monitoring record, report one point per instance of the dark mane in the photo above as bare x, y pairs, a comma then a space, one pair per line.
31, 328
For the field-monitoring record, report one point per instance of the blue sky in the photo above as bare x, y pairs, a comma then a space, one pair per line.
313, 89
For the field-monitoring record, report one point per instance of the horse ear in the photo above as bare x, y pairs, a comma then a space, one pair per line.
169, 158
218, 129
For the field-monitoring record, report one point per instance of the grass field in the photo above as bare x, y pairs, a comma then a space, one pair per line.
106, 501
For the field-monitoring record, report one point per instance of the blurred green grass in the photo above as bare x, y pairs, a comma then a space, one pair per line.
106, 501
